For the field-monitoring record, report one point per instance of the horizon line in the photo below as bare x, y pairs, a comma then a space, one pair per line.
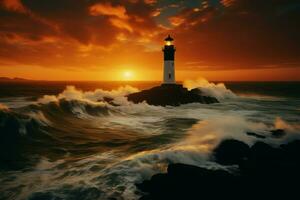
18, 79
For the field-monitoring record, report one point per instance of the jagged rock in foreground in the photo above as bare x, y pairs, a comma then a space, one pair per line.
276, 133
172, 94
263, 172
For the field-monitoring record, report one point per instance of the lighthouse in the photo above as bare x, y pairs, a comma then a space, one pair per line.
169, 93
169, 67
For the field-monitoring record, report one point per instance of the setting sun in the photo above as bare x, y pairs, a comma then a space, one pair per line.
149, 99
128, 75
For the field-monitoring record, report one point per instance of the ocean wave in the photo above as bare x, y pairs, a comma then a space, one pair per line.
261, 97
3, 107
65, 120
142, 166
18, 134
97, 145
210, 89
74, 108
15, 123
96, 96
85, 104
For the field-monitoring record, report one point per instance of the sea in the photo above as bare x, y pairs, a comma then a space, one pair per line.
62, 140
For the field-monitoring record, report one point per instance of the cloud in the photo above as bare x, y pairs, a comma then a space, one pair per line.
121, 24
52, 33
107, 9
227, 3
150, 1
14, 5
240, 34
176, 21
214, 35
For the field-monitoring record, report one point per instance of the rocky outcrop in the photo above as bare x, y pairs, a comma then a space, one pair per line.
170, 94
276, 133
256, 135
230, 152
262, 171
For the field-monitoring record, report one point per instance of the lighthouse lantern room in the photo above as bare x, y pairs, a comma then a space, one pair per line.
169, 67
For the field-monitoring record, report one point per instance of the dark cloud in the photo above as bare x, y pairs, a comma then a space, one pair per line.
243, 33
50, 31
211, 34
73, 19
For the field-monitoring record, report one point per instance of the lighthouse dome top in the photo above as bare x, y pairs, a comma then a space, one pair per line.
169, 38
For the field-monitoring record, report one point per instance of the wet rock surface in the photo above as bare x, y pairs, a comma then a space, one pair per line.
262, 171
276, 133
172, 95
256, 135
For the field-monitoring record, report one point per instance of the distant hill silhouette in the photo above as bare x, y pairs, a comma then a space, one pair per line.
12, 79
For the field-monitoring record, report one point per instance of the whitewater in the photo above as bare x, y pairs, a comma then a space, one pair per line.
77, 145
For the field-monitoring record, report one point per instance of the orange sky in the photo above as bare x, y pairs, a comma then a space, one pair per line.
122, 40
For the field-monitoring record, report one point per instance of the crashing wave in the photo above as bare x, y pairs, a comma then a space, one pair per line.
218, 90
3, 107
71, 93
18, 133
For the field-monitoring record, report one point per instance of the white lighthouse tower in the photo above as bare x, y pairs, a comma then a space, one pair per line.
169, 67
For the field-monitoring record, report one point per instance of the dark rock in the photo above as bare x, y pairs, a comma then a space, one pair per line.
267, 172
292, 151
278, 133
184, 182
172, 94
292, 148
263, 151
231, 152
110, 101
263, 159
256, 135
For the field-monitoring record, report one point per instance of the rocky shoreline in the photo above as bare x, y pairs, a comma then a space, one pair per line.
257, 171
171, 95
